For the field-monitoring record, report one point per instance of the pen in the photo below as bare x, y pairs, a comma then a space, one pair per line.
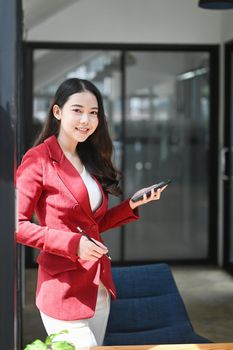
90, 239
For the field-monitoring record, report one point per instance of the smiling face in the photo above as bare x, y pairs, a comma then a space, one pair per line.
78, 117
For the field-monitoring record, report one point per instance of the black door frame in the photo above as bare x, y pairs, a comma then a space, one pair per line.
228, 144
213, 50
10, 111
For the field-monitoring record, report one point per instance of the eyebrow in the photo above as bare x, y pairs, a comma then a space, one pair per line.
76, 105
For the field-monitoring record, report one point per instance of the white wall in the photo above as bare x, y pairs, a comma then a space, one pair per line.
227, 26
131, 21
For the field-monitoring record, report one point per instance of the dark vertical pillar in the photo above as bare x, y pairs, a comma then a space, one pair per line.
10, 53
123, 132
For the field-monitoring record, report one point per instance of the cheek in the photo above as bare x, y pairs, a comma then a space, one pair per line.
67, 122
95, 125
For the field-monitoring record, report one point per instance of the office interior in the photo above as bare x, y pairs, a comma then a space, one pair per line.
165, 70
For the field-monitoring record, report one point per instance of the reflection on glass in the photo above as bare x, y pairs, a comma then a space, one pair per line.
98, 66
167, 136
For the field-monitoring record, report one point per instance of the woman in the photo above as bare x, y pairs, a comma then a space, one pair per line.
66, 178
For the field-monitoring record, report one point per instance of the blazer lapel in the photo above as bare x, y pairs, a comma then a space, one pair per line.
69, 175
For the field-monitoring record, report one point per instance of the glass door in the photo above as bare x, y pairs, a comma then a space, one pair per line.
167, 137
158, 109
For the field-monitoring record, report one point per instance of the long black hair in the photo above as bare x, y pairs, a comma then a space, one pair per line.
96, 152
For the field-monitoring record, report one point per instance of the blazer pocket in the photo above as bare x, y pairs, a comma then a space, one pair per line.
54, 264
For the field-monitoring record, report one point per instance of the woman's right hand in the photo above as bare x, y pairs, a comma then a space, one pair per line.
87, 250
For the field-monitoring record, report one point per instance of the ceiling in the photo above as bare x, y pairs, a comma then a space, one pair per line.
37, 11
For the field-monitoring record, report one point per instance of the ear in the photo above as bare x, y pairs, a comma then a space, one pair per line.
57, 112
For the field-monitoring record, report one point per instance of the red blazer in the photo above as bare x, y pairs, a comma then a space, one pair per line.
49, 185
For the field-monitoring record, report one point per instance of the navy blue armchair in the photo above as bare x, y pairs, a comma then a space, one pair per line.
149, 309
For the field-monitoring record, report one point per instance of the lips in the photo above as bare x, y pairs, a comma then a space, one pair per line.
82, 130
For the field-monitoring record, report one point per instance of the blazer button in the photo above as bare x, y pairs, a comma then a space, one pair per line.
75, 206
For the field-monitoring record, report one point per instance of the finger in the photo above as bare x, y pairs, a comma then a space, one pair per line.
100, 244
89, 257
93, 250
155, 194
92, 254
144, 200
99, 249
152, 193
92, 258
97, 254
158, 193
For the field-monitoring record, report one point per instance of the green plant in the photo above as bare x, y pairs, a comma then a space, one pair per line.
50, 344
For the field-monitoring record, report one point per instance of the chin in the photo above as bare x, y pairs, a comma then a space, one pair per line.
82, 138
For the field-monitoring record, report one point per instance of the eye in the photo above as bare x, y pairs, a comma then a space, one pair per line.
94, 113
77, 110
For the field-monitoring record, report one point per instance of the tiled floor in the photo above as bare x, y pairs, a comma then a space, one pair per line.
208, 296
207, 293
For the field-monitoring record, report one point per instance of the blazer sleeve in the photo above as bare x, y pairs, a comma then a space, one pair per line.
117, 216
29, 186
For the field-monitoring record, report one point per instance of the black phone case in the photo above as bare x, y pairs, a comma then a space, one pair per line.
155, 186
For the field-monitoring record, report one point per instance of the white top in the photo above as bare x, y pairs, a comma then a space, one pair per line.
95, 195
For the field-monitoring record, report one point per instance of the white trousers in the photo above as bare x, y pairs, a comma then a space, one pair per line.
83, 333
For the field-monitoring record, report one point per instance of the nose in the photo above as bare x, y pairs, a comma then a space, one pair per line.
84, 118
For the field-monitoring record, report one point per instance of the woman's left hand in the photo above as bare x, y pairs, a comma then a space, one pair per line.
154, 196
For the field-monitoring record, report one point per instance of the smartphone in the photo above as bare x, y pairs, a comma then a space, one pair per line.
139, 197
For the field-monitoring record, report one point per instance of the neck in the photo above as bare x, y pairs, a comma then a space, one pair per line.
68, 146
